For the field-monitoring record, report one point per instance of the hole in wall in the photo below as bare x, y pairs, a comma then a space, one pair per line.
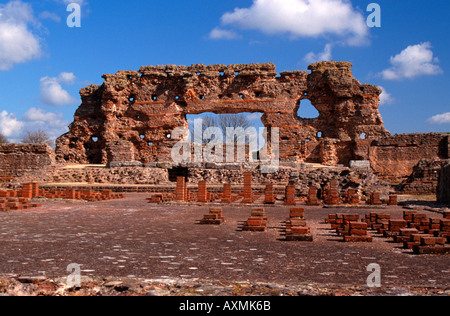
154, 97
94, 139
306, 110
174, 173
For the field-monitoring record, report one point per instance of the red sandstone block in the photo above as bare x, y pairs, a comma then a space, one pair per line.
358, 239
297, 222
358, 225
432, 241
351, 217
358, 232
254, 222
300, 230
428, 250
408, 232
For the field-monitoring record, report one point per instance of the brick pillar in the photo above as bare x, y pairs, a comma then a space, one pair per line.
202, 192
35, 189
352, 197
393, 200
27, 190
312, 197
269, 195
248, 192
180, 193
375, 198
226, 198
332, 193
290, 195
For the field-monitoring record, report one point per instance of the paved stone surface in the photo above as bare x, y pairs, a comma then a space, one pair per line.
132, 239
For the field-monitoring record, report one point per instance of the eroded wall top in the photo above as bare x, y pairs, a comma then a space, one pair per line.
143, 107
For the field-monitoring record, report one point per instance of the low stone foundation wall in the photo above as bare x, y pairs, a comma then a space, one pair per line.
443, 194
17, 160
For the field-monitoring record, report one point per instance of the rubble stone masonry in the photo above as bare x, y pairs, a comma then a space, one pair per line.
17, 160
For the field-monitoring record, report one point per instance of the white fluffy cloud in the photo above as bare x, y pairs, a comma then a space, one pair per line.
385, 97
219, 33
326, 55
13, 128
10, 126
52, 92
52, 123
302, 18
18, 44
414, 61
440, 119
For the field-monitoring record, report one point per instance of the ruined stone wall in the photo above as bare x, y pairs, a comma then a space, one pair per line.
19, 159
396, 156
144, 108
443, 191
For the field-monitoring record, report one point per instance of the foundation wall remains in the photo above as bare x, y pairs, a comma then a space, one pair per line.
17, 160
443, 191
145, 107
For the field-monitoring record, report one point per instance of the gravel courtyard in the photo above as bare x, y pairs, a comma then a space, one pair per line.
130, 238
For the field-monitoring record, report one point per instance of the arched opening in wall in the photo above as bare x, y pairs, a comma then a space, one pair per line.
227, 125
363, 136
307, 110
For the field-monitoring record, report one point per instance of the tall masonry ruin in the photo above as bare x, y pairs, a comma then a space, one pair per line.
136, 112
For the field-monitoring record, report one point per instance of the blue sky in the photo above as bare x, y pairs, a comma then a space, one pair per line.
44, 63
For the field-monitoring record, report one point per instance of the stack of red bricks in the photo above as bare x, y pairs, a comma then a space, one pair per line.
332, 193
378, 221
357, 233
257, 222
445, 229
312, 199
16, 203
395, 225
227, 196
89, 195
432, 245
375, 199
248, 191
181, 190
215, 217
425, 235
290, 195
349, 226
351, 197
269, 195
202, 195
296, 227
393, 200
29, 190
160, 198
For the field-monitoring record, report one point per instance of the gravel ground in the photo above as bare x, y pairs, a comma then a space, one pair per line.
133, 240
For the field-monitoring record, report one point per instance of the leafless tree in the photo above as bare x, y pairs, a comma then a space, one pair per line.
36, 137
226, 123
3, 139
